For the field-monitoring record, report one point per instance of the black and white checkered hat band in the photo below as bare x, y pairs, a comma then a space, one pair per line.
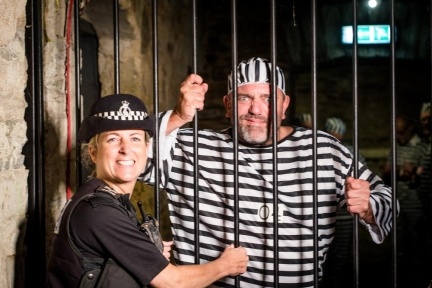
117, 115
256, 70
116, 112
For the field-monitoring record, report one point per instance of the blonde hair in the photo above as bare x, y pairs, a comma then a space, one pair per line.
86, 159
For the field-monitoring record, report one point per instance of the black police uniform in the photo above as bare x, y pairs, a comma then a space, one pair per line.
103, 225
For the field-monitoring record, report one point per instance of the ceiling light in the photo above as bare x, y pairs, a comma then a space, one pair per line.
372, 3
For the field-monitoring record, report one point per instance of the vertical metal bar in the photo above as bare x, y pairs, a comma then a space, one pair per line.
234, 60
194, 39
78, 108
156, 107
355, 143
393, 145
275, 142
314, 131
34, 149
116, 47
195, 143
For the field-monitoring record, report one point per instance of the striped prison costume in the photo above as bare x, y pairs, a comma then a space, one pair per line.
295, 184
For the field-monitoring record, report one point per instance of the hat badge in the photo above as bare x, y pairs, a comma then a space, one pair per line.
124, 109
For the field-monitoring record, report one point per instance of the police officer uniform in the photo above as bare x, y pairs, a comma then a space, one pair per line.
98, 228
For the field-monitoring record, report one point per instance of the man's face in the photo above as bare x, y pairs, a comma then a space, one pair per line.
404, 131
254, 112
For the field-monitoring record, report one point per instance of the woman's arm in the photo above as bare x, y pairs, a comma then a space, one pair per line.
232, 262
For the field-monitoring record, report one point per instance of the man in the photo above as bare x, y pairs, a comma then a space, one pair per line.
408, 155
371, 201
408, 159
424, 188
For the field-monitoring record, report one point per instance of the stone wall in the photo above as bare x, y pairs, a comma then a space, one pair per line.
13, 174
58, 83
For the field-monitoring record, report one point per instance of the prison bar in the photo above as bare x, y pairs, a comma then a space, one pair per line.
393, 142
315, 137
234, 56
356, 257
195, 137
273, 55
116, 47
156, 105
35, 147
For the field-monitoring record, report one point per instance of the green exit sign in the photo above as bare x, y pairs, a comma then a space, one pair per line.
367, 34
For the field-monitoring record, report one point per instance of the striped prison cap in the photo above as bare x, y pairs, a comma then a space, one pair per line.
256, 70
335, 125
116, 112
303, 118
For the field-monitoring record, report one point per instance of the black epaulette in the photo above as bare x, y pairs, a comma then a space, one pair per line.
102, 198
109, 197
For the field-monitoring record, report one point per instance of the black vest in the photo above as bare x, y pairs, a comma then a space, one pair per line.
67, 266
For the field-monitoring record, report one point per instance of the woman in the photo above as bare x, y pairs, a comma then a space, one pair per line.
101, 241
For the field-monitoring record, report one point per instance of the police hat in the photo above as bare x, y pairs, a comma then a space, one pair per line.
116, 112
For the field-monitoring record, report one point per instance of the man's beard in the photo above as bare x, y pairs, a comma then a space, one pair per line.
252, 134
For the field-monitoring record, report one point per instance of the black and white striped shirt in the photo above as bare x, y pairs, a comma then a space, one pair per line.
295, 191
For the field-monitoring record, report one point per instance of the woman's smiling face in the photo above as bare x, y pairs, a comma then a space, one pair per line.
120, 156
